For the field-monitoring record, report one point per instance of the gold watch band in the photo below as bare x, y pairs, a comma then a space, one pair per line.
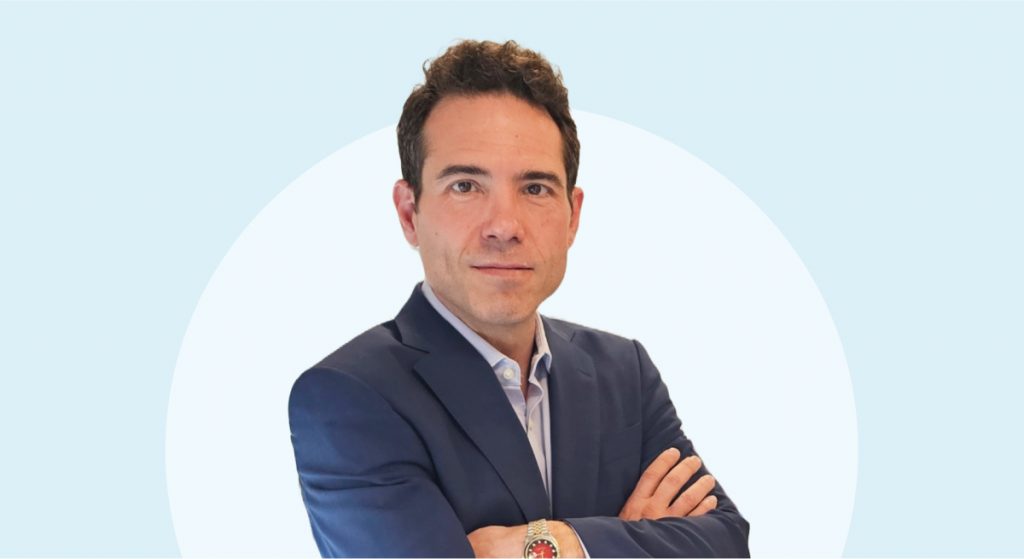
538, 527
539, 541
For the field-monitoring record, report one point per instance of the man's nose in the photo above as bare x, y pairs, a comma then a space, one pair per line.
503, 220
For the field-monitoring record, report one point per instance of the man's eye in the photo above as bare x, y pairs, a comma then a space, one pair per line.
463, 187
536, 189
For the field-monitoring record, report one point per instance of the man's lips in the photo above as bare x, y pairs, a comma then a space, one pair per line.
501, 268
504, 266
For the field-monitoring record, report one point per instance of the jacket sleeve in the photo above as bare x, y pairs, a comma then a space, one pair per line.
365, 475
719, 533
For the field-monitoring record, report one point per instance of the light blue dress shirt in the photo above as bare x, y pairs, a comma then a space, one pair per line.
533, 411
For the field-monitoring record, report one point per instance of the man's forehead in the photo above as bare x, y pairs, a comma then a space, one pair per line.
488, 131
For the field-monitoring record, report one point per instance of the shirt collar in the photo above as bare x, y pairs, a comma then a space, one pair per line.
489, 352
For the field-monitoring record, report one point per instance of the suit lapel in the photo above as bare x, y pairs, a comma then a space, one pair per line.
575, 421
465, 384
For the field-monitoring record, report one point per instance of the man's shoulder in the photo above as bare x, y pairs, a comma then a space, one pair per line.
592, 340
374, 353
373, 345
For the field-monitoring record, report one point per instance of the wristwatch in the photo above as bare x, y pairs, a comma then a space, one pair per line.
539, 541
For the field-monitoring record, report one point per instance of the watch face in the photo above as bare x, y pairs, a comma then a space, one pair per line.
542, 548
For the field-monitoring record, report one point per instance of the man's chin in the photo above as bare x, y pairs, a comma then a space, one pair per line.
504, 313
505, 316
488, 308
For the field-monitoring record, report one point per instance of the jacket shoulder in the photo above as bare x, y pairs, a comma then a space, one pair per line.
371, 358
587, 336
369, 347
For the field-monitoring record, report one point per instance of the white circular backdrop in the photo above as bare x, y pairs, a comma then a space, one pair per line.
669, 252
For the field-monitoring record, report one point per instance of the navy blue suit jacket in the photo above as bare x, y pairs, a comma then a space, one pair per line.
405, 442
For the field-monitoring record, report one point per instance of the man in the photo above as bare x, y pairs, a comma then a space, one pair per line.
470, 425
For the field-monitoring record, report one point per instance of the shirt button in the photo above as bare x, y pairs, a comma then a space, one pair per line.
508, 374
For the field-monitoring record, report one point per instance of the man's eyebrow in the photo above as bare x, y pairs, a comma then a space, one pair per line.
462, 170
479, 171
541, 176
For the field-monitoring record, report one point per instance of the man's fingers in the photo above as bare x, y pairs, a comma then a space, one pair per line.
674, 480
654, 473
648, 483
655, 493
693, 497
708, 504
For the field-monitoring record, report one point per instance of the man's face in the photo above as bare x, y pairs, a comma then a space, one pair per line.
494, 224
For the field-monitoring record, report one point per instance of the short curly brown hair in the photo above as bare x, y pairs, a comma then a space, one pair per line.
474, 67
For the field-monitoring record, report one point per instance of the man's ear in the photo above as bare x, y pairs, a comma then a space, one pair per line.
405, 205
574, 219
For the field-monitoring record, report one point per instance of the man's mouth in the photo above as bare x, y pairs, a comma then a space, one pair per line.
502, 268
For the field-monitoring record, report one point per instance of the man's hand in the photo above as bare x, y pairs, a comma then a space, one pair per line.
652, 498
508, 541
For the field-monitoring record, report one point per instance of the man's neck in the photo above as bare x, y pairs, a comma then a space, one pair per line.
516, 343
516, 340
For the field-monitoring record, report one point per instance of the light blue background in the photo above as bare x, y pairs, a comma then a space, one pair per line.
884, 139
